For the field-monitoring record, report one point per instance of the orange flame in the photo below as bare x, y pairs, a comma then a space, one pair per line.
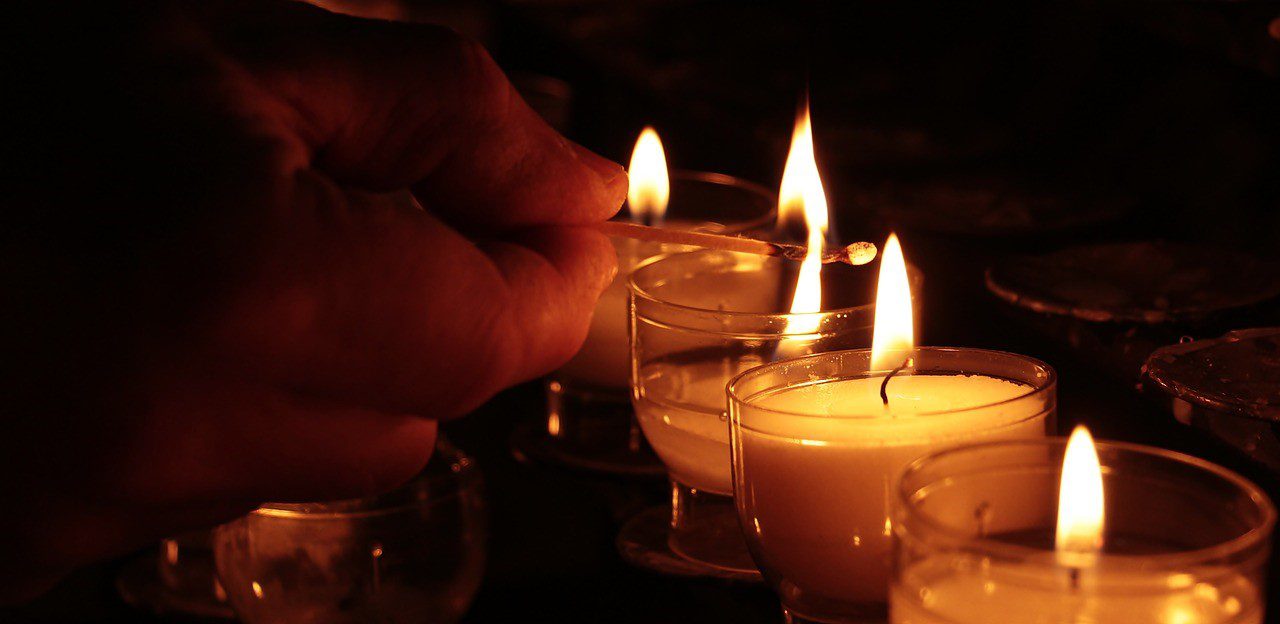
1080, 501
650, 185
893, 338
802, 193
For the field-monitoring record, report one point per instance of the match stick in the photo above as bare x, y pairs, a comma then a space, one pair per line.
855, 254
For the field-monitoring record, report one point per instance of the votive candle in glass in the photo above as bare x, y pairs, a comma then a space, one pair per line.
699, 319
816, 447
1183, 541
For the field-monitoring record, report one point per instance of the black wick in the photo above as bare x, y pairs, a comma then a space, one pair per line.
884, 385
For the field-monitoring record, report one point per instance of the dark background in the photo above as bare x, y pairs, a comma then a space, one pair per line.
1166, 114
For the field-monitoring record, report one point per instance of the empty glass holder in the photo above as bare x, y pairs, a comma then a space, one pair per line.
413, 555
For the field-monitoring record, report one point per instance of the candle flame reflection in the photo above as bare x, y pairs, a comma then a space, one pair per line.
893, 337
802, 193
650, 188
1080, 501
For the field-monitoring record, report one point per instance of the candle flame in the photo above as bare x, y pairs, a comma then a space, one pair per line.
802, 193
1080, 501
893, 337
650, 185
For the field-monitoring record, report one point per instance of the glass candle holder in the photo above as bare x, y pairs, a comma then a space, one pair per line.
413, 555
177, 578
589, 422
699, 319
1185, 541
816, 449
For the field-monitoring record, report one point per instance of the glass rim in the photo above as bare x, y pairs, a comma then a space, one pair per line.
723, 179
1258, 532
639, 292
296, 511
335, 509
735, 396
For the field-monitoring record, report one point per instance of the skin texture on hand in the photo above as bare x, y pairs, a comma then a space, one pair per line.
222, 292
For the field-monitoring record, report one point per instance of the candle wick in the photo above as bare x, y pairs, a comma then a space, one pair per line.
884, 385
1075, 578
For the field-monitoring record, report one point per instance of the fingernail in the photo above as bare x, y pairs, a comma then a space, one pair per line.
609, 172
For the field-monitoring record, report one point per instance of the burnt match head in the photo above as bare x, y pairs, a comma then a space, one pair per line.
855, 254
859, 253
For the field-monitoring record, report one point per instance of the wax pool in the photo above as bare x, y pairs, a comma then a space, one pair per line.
942, 591
813, 489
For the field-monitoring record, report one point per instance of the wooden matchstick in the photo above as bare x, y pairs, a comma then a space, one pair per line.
855, 254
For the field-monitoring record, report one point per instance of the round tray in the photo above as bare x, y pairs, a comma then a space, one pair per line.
1142, 282
1237, 374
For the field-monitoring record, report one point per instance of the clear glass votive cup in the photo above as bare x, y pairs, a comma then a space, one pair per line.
816, 450
413, 555
177, 578
698, 319
589, 422
1185, 541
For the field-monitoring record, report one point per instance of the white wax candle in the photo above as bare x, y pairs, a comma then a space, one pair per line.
815, 488
682, 414
940, 592
604, 361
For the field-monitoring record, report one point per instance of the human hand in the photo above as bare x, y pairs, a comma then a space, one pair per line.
224, 299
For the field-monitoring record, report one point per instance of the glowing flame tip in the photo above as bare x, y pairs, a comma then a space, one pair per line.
650, 185
1080, 498
801, 196
893, 337
802, 193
